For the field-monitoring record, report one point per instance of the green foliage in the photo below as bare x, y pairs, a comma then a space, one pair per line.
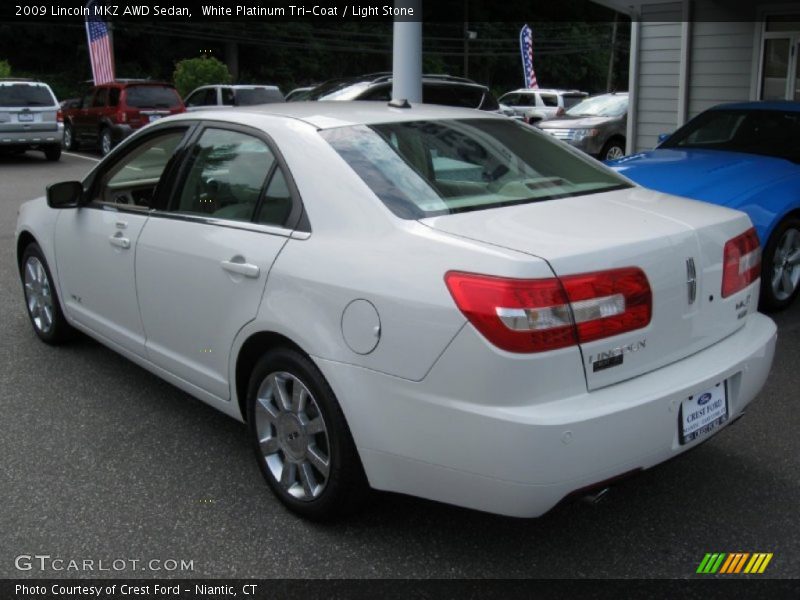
194, 72
5, 69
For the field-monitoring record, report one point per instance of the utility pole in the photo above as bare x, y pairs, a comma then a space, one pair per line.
610, 78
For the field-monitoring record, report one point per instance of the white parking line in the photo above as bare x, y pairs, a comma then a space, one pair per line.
81, 156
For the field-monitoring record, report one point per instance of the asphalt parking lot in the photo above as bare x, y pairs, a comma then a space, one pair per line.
99, 459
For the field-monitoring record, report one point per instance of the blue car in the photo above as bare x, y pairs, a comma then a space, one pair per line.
744, 156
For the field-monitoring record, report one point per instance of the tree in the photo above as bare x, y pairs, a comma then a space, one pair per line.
194, 72
5, 69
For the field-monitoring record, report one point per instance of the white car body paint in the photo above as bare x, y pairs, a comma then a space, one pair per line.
435, 409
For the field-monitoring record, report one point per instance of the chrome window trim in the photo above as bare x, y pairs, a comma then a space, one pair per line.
232, 224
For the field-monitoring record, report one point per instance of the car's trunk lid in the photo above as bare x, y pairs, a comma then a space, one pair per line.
634, 227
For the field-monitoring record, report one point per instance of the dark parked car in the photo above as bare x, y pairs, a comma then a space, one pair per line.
745, 156
597, 125
110, 112
436, 89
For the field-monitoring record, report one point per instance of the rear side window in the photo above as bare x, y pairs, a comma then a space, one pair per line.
151, 96
25, 94
113, 96
571, 100
452, 95
100, 98
252, 96
227, 172
549, 99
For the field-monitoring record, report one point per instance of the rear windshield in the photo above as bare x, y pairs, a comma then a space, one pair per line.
427, 168
765, 132
151, 96
25, 94
251, 96
600, 106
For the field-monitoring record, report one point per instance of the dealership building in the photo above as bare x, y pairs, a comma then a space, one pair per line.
689, 55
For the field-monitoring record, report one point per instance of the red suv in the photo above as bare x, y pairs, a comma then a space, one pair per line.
109, 113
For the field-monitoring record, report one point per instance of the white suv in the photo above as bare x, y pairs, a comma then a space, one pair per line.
537, 105
224, 96
30, 118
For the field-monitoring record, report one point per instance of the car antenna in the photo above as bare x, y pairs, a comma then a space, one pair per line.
399, 103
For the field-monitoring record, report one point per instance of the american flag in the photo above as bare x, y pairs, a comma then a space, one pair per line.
100, 51
526, 47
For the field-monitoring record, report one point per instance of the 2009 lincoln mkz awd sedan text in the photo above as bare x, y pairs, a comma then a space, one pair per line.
428, 300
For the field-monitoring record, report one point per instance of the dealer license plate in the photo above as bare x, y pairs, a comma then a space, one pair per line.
154, 118
703, 413
24, 117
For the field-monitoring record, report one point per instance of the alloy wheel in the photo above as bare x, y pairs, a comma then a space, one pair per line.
786, 265
38, 295
68, 138
105, 143
292, 435
614, 153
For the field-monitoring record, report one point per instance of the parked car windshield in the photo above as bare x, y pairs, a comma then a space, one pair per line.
427, 168
151, 96
252, 96
600, 106
765, 132
25, 94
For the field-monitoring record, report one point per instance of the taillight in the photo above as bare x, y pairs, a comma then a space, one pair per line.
741, 262
59, 116
560, 112
535, 315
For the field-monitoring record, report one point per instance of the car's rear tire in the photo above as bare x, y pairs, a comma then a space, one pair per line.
613, 149
301, 439
106, 143
780, 266
70, 143
52, 153
41, 297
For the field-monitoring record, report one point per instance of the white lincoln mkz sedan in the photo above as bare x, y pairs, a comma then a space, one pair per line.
427, 300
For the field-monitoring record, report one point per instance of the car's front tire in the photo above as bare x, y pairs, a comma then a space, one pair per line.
614, 149
70, 143
41, 297
301, 439
780, 266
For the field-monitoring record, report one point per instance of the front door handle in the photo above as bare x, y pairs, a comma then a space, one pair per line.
119, 241
241, 268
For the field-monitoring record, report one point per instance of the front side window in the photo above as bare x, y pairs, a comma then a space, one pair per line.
227, 172
132, 181
427, 168
765, 132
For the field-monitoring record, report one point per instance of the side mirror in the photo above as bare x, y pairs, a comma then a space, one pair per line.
66, 194
663, 137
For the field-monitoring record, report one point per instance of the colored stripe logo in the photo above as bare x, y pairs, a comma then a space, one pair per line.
734, 563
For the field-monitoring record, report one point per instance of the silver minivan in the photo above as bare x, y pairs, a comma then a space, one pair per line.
30, 118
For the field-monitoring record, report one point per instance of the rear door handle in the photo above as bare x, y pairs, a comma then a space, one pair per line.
241, 268
119, 241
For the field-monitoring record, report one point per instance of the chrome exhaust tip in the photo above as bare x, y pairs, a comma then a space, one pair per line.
596, 497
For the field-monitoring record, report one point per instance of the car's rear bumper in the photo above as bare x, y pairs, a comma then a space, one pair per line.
521, 460
35, 137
